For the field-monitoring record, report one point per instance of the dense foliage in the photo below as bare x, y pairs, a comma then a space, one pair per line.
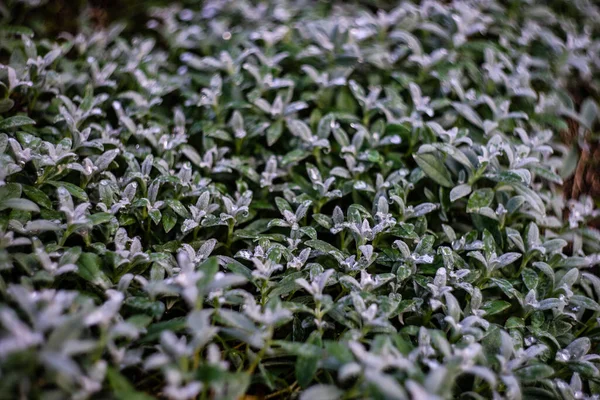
300, 199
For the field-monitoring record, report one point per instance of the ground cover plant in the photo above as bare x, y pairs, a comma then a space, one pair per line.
296, 199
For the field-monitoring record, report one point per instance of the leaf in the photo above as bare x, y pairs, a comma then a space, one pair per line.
574, 262
106, 158
300, 129
479, 199
6, 105
306, 365
531, 197
584, 302
179, 208
274, 132
323, 220
235, 267
154, 331
100, 218
534, 373
398, 129
570, 162
283, 205
152, 308
468, 113
169, 220
424, 208
10, 191
459, 191
405, 231
191, 154
90, 268
19, 204
324, 247
294, 156
37, 195
495, 307
74, 190
507, 259
589, 113
547, 174
122, 389
434, 168
17, 30
321, 392
15, 122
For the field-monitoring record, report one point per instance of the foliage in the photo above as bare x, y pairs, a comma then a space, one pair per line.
298, 199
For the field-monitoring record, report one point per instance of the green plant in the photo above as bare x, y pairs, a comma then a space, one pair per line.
296, 199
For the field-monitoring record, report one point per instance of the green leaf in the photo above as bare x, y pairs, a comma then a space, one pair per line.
169, 220
323, 220
37, 195
154, 331
468, 113
514, 323
100, 218
324, 247
10, 191
434, 168
306, 365
74, 190
533, 373
274, 132
90, 268
154, 309
19, 204
179, 208
321, 392
479, 199
547, 174
495, 307
15, 122
507, 259
6, 105
403, 130
294, 156
584, 302
17, 30
405, 231
459, 191
235, 267
283, 205
191, 154
122, 389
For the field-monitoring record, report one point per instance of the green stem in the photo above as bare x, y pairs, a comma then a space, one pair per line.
260, 354
317, 156
230, 226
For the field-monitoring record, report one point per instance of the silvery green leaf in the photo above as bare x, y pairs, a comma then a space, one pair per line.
106, 158
300, 129
460, 191
584, 302
589, 112
434, 168
479, 199
385, 384
19, 204
468, 113
15, 122
534, 373
322, 392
